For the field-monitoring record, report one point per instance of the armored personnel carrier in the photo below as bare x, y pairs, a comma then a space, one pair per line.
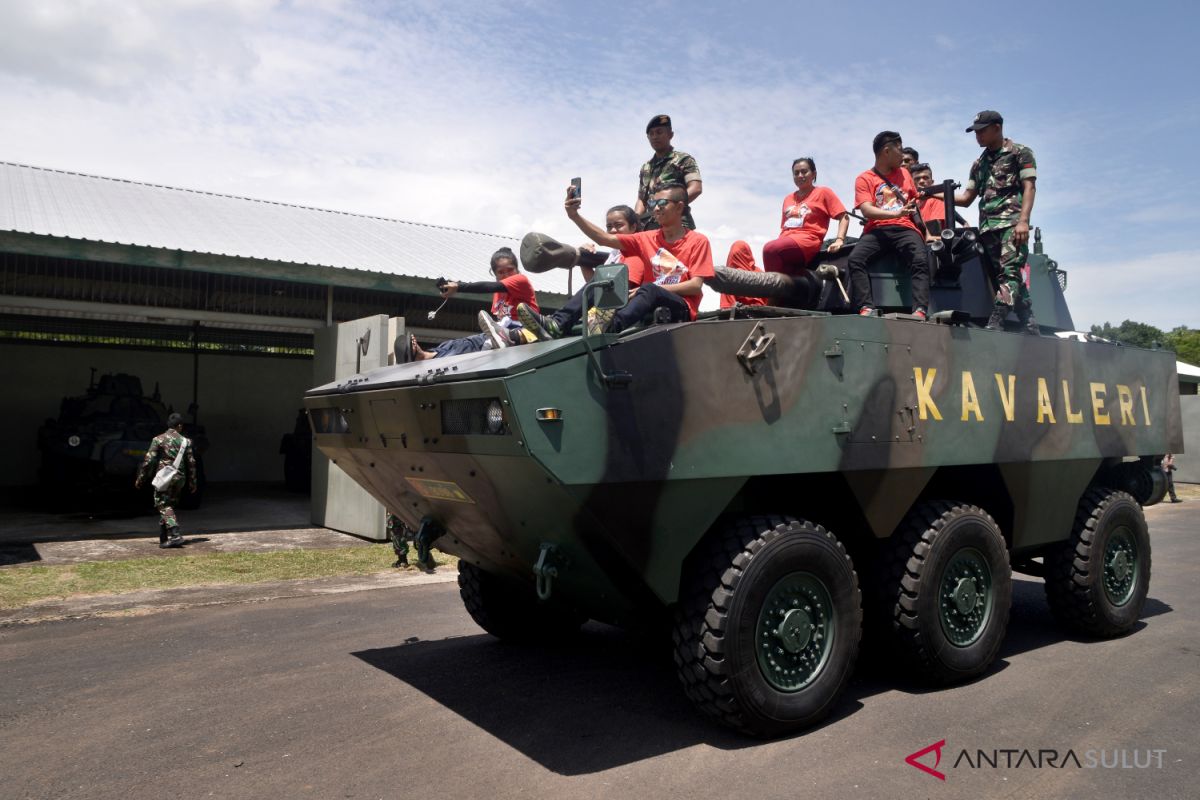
93, 449
776, 480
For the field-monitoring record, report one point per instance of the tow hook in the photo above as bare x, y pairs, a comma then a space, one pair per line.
546, 569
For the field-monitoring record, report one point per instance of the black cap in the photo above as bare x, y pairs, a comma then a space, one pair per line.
660, 120
985, 118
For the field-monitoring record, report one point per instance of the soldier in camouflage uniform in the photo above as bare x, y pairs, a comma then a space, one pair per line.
1004, 178
667, 166
162, 452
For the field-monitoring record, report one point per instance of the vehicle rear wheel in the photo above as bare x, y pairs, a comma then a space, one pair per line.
948, 589
768, 627
511, 611
1096, 582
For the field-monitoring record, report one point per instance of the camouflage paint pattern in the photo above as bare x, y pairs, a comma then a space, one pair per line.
847, 422
997, 177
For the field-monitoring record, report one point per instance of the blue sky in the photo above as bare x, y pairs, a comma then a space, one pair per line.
476, 115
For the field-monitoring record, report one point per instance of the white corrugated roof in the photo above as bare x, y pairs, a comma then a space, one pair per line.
50, 202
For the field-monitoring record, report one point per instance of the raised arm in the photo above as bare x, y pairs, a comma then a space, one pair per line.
590, 230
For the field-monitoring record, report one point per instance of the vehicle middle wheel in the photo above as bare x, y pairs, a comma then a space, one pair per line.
767, 632
1096, 581
948, 589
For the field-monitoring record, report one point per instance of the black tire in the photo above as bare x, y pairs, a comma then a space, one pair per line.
1076, 570
511, 611
718, 624
943, 628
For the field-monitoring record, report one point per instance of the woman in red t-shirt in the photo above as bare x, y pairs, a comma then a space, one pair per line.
806, 215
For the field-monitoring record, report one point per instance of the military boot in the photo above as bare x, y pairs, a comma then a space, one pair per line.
1025, 315
174, 539
162, 534
1000, 313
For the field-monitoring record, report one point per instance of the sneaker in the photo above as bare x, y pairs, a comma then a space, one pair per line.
544, 328
598, 320
920, 314
867, 311
497, 335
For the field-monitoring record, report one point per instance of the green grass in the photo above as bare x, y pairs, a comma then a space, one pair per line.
27, 583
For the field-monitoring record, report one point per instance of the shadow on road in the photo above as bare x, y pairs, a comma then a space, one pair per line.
605, 700
600, 702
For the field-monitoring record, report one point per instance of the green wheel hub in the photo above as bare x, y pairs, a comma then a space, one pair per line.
965, 597
795, 630
1120, 566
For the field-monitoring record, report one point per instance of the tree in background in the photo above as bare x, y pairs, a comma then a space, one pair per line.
1184, 341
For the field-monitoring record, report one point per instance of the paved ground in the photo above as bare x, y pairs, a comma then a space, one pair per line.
395, 693
227, 507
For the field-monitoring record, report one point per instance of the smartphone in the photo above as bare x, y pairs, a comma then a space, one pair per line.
577, 188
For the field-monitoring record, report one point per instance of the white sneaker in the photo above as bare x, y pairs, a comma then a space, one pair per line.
497, 335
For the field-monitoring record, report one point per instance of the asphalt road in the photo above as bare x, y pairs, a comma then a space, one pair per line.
394, 693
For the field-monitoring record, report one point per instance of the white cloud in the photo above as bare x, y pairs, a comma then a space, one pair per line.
476, 116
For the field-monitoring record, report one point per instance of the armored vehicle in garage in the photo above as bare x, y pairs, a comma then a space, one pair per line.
94, 447
775, 481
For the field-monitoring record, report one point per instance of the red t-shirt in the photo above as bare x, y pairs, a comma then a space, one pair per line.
741, 257
870, 188
808, 219
933, 208
671, 263
517, 289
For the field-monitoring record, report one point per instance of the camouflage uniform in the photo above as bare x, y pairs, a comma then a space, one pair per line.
162, 451
398, 534
997, 177
674, 167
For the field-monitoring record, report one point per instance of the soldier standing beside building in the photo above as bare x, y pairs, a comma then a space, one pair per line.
164, 452
666, 166
1004, 178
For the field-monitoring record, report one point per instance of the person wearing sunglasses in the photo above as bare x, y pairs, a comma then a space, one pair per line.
677, 260
805, 221
619, 220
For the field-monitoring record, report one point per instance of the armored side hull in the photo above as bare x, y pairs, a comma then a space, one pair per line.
846, 422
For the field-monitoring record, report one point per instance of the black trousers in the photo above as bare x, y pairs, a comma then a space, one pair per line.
648, 297
908, 246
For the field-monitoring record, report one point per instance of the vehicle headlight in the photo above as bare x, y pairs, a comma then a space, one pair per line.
73, 440
495, 417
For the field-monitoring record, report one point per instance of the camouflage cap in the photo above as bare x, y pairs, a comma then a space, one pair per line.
661, 120
985, 118
540, 253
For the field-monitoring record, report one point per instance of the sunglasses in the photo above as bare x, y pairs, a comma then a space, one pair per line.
659, 203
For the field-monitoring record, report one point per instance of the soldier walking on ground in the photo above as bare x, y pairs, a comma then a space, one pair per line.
1168, 468
1004, 178
665, 167
163, 453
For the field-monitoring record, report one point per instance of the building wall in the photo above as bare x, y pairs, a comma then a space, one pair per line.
246, 403
1187, 465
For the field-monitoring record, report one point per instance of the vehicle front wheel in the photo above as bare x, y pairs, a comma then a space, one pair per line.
511, 611
768, 627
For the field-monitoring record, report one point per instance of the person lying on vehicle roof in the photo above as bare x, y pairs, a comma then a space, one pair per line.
510, 289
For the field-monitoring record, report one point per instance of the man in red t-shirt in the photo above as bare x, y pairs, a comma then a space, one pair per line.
932, 209
676, 259
887, 197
